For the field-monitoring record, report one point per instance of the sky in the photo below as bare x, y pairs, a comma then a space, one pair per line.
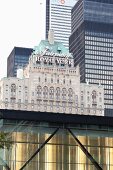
21, 25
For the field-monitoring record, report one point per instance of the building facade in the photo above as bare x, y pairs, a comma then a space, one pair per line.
39, 140
91, 43
18, 57
51, 83
58, 18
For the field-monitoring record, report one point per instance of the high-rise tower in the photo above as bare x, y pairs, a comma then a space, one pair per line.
91, 43
18, 57
58, 18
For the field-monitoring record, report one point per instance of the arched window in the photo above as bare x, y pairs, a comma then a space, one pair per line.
94, 96
13, 89
64, 93
70, 94
45, 92
57, 93
39, 91
51, 92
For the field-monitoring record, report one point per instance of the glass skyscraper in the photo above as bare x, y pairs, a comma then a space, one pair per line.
91, 43
18, 57
58, 18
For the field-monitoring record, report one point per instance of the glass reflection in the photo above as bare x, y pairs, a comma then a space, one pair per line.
61, 152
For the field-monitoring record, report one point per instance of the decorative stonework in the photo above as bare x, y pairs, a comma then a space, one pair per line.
51, 83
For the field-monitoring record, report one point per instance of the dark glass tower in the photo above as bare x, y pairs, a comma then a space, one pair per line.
91, 43
18, 58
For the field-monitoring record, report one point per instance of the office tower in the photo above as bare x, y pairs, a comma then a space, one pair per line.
58, 18
91, 43
51, 83
18, 57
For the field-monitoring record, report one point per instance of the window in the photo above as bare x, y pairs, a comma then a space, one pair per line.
64, 81
51, 80
45, 79
51, 105
13, 89
13, 100
39, 103
39, 91
6, 100
64, 105
58, 106
76, 98
94, 96
88, 108
64, 93
88, 98
45, 105
45, 92
70, 94
51, 92
39, 79
57, 93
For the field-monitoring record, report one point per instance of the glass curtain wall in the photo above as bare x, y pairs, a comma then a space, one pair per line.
19, 140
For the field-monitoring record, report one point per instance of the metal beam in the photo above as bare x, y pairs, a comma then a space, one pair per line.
95, 163
4, 164
38, 150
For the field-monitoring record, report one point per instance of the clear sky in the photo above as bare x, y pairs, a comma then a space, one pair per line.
21, 24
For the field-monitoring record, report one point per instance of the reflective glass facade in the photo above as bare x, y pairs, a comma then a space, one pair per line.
19, 57
91, 42
22, 138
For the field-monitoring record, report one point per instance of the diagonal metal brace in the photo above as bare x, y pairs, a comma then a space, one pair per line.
4, 164
95, 163
38, 150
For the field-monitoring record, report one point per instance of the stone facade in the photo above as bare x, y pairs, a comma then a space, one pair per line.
51, 83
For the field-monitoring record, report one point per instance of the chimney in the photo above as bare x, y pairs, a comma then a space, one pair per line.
51, 36
20, 73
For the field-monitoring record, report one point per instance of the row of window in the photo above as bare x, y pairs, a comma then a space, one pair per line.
54, 92
99, 57
107, 35
104, 50
96, 43
100, 52
94, 66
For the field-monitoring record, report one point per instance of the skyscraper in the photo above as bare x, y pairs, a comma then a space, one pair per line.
18, 57
58, 18
91, 43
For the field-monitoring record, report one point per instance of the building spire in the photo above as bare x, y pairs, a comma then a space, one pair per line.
51, 36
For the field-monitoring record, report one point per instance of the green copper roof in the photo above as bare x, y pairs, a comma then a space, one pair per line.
57, 47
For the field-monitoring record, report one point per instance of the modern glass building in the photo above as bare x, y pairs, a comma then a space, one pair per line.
58, 18
91, 43
18, 57
47, 141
